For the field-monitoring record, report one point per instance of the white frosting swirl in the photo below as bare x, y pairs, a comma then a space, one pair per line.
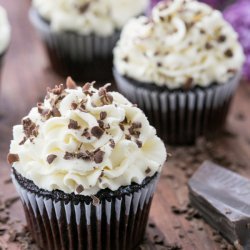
185, 42
4, 30
89, 16
127, 161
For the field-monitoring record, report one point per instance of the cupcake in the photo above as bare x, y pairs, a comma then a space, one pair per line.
181, 66
4, 35
85, 163
80, 35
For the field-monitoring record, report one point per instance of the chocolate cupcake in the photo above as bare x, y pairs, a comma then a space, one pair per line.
181, 66
80, 35
4, 35
85, 164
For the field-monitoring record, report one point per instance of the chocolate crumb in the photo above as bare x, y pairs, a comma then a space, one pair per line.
127, 137
57, 90
228, 53
103, 115
95, 200
69, 156
79, 189
125, 59
148, 170
73, 124
84, 7
159, 64
97, 132
70, 83
208, 46
86, 134
23, 141
112, 143
188, 83
121, 126
51, 158
11, 158
98, 156
101, 124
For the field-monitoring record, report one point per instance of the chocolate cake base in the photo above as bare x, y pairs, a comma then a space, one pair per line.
83, 57
181, 116
66, 221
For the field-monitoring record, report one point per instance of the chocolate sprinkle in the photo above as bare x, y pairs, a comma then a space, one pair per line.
51, 158
73, 124
103, 115
79, 189
11, 158
98, 156
97, 132
70, 83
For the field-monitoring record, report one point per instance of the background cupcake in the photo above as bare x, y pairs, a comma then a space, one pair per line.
85, 163
80, 35
181, 66
4, 35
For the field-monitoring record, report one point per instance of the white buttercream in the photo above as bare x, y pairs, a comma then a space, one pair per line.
121, 165
4, 30
99, 17
185, 41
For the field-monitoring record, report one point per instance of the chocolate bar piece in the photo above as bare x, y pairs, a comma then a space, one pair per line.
223, 199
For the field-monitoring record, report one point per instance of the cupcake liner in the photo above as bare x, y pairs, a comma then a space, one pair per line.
179, 116
84, 57
115, 223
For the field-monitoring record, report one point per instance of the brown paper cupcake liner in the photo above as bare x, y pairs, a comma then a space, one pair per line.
84, 57
115, 223
179, 116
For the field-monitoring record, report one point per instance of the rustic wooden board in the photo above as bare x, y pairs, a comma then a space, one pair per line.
25, 77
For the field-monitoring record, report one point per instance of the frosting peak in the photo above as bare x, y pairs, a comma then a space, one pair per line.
89, 16
88, 138
185, 42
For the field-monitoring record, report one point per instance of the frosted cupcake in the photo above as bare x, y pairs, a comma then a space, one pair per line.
80, 34
181, 66
85, 163
4, 35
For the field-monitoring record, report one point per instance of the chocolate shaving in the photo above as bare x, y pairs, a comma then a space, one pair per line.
159, 64
69, 156
222, 39
56, 112
98, 156
97, 132
101, 124
83, 156
95, 200
139, 143
46, 113
73, 124
57, 90
148, 170
29, 128
11, 158
106, 98
70, 83
127, 137
86, 134
208, 46
112, 143
228, 53
103, 115
121, 126
84, 7
74, 105
79, 189
188, 83
125, 59
51, 158
23, 141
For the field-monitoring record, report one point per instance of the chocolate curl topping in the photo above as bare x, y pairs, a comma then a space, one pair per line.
70, 83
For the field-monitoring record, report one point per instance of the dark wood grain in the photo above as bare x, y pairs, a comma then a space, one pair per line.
27, 73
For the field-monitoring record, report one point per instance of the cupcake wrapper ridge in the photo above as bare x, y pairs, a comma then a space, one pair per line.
180, 117
84, 57
118, 223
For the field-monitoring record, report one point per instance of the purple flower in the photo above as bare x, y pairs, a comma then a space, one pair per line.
238, 15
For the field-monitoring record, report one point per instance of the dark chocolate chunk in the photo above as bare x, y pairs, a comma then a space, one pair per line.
97, 132
98, 156
103, 115
51, 158
74, 105
30, 128
11, 158
222, 39
73, 124
148, 170
215, 191
79, 189
70, 83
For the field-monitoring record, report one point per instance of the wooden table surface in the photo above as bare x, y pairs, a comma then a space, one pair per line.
26, 75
